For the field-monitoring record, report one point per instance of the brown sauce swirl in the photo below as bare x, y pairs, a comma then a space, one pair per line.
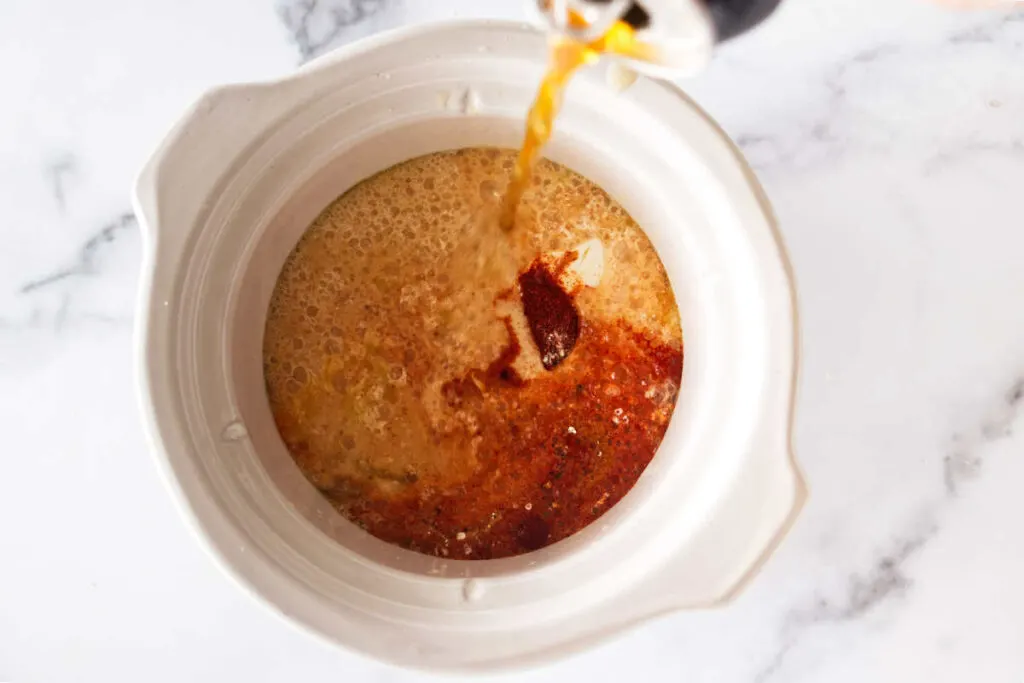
433, 380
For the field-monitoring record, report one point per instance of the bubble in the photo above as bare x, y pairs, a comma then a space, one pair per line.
338, 381
489, 191
234, 431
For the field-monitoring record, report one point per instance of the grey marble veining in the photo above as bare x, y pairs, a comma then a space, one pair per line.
315, 26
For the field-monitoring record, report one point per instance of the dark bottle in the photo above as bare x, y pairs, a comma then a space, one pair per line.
683, 33
730, 17
733, 17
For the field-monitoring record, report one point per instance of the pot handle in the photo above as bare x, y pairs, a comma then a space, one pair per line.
760, 508
187, 166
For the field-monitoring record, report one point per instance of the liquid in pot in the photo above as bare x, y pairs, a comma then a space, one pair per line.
465, 391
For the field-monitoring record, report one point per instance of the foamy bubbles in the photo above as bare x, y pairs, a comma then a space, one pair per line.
404, 283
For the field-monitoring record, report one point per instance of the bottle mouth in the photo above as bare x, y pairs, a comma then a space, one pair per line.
583, 20
680, 33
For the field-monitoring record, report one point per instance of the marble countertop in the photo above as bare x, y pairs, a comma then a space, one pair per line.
889, 135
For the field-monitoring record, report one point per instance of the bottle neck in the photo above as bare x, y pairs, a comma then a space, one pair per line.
683, 32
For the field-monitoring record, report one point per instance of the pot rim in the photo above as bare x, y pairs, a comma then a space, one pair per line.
208, 522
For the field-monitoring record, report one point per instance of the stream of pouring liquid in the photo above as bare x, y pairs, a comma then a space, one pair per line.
567, 55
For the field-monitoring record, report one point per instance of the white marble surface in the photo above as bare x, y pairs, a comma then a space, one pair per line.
890, 137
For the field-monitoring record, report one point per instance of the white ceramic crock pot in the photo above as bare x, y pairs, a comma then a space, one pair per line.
228, 194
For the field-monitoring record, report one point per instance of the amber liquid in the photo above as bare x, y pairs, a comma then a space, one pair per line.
567, 55
403, 373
